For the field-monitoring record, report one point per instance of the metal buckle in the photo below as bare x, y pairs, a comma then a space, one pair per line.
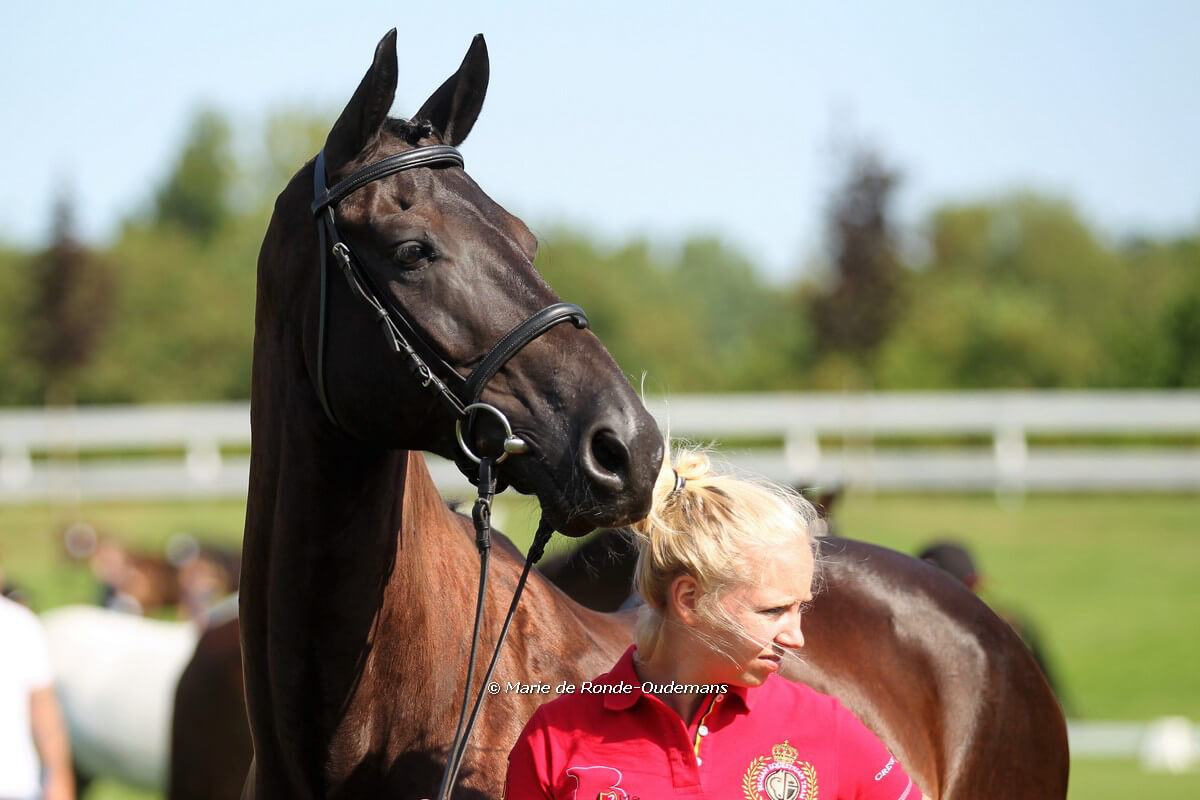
513, 444
425, 372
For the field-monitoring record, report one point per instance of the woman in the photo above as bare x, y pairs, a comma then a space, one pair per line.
694, 708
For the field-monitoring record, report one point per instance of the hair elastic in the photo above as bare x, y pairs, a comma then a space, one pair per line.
680, 482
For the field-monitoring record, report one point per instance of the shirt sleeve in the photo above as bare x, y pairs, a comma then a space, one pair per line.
529, 764
34, 651
866, 770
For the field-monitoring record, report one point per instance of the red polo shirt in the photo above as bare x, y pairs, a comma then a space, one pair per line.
780, 741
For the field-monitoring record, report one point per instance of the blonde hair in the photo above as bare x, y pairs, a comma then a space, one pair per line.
715, 527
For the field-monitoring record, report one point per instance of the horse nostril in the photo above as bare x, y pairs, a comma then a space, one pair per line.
609, 455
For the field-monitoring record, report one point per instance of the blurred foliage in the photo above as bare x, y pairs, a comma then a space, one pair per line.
195, 195
1019, 293
699, 318
1012, 292
854, 314
67, 308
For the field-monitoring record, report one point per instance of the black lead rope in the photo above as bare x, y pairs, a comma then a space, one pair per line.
481, 515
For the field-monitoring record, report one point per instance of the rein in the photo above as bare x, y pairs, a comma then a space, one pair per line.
460, 395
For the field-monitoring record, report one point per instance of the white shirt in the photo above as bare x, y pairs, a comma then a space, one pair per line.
24, 667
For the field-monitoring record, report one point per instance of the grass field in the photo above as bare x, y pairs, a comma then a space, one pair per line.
1110, 582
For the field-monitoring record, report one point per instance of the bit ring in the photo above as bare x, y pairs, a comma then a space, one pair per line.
513, 444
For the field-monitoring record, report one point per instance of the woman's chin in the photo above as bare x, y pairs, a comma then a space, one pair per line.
754, 676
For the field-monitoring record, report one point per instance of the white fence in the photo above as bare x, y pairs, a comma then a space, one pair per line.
200, 450
1167, 744
1004, 420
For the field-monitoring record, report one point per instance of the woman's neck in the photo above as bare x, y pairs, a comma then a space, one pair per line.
671, 662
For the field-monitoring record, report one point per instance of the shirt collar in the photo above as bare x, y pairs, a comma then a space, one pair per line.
623, 673
745, 694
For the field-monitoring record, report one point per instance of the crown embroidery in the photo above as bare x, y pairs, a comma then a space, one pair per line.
784, 753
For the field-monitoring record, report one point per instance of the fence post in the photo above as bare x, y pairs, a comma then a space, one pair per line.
203, 460
802, 454
1011, 451
16, 465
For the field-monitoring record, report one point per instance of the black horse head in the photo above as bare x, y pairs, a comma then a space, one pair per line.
455, 272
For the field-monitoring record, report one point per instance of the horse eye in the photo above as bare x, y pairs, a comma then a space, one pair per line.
411, 253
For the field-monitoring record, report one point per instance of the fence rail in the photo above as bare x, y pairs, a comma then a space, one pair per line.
1167, 744
200, 450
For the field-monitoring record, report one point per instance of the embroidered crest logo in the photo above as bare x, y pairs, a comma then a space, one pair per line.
780, 776
597, 783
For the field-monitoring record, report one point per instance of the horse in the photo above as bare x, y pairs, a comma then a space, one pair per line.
116, 677
190, 577
357, 580
210, 741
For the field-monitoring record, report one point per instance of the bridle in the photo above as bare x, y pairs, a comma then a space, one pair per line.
430, 369
461, 395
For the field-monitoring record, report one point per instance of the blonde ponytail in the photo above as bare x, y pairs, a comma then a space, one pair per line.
713, 526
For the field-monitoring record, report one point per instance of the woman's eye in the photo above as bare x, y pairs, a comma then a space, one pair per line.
411, 253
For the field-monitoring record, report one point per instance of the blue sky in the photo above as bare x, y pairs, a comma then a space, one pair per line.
629, 118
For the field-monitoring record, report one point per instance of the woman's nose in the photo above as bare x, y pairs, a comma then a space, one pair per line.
791, 635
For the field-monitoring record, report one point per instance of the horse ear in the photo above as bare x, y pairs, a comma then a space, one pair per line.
368, 108
455, 106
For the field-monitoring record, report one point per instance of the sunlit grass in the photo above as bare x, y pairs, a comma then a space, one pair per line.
1110, 581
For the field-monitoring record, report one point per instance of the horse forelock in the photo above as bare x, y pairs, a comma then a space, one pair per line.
415, 132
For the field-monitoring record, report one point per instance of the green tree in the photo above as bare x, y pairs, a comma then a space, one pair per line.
69, 306
184, 322
628, 299
854, 314
289, 139
1163, 298
1017, 293
1181, 336
19, 381
195, 194
750, 335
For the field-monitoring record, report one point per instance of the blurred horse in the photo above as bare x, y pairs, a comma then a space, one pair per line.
189, 578
210, 741
116, 674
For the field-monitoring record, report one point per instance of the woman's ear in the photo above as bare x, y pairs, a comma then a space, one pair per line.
683, 597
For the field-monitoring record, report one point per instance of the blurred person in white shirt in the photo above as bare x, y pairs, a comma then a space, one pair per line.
35, 754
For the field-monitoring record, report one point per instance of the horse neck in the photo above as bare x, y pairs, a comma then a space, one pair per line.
341, 539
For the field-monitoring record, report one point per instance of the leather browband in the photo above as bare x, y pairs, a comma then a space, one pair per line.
432, 156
